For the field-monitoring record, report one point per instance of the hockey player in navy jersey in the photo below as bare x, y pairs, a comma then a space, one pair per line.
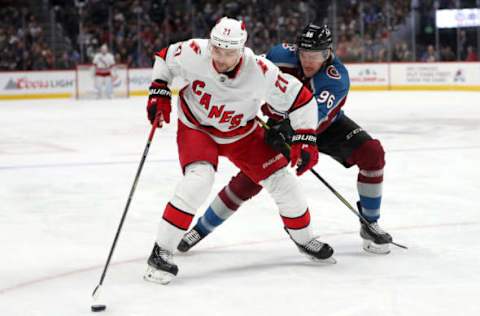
312, 60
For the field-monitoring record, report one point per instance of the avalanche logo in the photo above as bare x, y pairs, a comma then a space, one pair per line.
333, 73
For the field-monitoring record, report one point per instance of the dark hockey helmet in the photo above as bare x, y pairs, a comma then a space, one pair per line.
314, 37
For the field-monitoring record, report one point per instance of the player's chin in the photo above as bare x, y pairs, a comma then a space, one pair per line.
222, 68
309, 72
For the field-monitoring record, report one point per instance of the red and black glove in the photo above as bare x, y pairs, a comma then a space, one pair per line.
303, 151
159, 102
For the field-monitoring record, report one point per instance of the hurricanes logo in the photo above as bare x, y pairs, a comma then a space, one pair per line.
333, 73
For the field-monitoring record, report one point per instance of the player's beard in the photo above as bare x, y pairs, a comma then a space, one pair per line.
224, 67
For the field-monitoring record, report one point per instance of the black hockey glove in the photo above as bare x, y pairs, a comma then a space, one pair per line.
279, 134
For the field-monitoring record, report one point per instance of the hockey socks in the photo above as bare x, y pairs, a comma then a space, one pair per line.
228, 200
369, 187
223, 206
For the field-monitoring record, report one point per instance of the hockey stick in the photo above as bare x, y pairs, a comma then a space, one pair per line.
338, 195
347, 204
96, 291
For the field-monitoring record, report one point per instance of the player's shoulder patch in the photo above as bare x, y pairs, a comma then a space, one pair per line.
333, 73
195, 47
262, 64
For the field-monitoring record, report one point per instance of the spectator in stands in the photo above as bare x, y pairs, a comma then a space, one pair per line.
430, 55
446, 54
65, 62
401, 52
471, 54
142, 27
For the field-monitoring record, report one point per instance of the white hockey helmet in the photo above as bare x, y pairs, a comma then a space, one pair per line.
229, 33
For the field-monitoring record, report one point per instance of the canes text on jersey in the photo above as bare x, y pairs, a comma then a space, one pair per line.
215, 111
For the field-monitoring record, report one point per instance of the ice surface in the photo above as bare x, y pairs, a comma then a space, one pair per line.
66, 168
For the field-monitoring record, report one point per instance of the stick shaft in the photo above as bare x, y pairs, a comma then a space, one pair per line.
127, 205
338, 195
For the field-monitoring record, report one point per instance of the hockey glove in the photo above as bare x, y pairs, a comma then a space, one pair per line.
159, 102
304, 152
279, 135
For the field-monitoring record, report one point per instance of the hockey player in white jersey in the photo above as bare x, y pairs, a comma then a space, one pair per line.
103, 62
216, 111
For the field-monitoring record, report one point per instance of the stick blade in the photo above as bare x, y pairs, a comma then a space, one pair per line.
98, 308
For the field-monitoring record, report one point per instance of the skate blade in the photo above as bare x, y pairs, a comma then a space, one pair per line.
378, 249
330, 260
157, 276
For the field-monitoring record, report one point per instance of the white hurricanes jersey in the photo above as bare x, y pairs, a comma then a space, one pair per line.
103, 63
225, 107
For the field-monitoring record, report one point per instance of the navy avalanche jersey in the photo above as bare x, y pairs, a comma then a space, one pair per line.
329, 85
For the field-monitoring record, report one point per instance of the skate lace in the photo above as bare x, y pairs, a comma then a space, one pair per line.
165, 255
314, 245
376, 228
192, 236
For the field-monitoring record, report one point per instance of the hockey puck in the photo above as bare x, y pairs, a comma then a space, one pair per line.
98, 308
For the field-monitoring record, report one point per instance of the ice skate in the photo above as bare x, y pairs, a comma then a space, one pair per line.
375, 239
190, 239
317, 251
161, 268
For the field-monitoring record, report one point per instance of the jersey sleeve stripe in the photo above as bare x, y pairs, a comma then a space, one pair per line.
303, 97
267, 110
162, 53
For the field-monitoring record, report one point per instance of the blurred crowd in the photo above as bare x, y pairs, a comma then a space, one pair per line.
371, 41
365, 31
142, 27
22, 41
